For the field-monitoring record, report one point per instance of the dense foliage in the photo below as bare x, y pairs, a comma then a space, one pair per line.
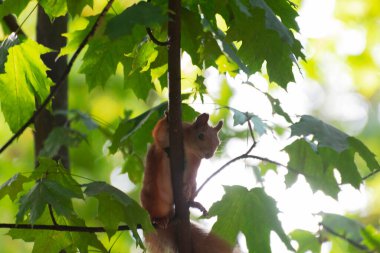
124, 67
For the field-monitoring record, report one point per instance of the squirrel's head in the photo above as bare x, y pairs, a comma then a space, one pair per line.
201, 138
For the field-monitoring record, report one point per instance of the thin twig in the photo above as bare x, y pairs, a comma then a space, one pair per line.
55, 88
12, 24
154, 39
52, 215
370, 174
352, 242
63, 227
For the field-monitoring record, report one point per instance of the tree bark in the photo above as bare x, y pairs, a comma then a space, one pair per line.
177, 161
49, 35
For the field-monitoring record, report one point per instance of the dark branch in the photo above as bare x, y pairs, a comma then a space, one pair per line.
352, 242
371, 174
55, 88
63, 228
12, 24
155, 40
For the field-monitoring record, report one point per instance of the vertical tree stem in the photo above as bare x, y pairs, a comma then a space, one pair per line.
49, 34
175, 127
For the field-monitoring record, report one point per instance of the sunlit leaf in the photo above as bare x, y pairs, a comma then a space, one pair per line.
251, 212
364, 153
24, 81
371, 238
54, 8
75, 7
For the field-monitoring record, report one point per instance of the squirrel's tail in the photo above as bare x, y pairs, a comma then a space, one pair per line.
162, 241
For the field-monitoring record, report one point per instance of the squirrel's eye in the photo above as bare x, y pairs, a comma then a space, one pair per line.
201, 136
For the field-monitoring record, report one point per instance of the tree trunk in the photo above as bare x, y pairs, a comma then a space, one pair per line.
177, 161
49, 35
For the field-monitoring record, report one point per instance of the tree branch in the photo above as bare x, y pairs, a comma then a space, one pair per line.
177, 161
245, 156
56, 87
63, 227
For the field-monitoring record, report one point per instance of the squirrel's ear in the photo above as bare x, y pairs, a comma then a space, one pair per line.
219, 126
201, 120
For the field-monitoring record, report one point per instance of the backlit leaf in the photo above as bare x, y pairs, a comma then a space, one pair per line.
251, 212
24, 80
307, 242
54, 8
305, 161
325, 134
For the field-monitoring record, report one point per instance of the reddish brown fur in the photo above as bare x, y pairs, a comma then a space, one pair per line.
200, 141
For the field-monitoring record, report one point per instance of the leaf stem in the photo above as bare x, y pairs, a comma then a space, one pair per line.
60, 82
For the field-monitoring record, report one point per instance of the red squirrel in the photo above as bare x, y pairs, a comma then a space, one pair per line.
200, 141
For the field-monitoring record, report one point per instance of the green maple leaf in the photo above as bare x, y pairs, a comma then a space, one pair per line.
306, 241
54, 8
304, 160
328, 136
13, 186
264, 38
52, 170
276, 107
134, 166
371, 238
143, 14
115, 207
43, 193
25, 79
76, 37
251, 212
61, 136
43, 241
12, 6
102, 54
342, 225
325, 134
76, 7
